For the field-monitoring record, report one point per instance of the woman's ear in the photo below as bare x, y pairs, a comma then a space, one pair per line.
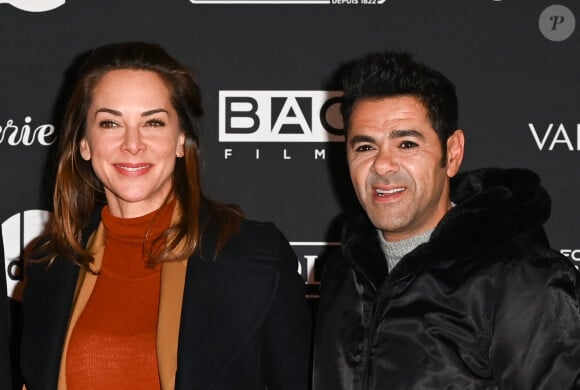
84, 149
180, 145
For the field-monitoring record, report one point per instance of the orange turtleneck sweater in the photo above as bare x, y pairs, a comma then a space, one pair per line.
113, 344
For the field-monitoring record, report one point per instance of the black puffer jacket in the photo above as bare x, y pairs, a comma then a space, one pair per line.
485, 304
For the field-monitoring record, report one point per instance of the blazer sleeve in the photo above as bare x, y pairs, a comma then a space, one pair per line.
5, 352
287, 331
536, 327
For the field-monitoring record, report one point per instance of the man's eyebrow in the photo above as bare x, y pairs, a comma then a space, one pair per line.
406, 133
360, 138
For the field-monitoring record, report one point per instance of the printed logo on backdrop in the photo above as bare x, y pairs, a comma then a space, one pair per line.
292, 2
556, 136
34, 5
557, 23
26, 134
573, 254
280, 116
311, 257
17, 232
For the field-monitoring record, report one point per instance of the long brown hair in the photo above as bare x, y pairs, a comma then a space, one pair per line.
78, 193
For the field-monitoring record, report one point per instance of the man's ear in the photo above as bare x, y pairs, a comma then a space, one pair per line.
85, 150
455, 148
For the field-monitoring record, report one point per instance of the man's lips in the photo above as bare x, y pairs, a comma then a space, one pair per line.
384, 192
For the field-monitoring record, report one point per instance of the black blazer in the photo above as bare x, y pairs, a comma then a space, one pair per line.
244, 318
5, 356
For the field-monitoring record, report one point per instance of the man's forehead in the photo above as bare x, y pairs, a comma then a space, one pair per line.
389, 114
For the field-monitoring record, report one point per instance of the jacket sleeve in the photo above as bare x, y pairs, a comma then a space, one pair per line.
536, 326
287, 330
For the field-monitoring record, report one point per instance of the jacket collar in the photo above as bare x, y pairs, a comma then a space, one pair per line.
492, 206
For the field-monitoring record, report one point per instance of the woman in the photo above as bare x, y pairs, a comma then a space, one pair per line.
161, 288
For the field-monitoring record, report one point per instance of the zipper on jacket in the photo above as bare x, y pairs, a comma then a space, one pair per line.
368, 327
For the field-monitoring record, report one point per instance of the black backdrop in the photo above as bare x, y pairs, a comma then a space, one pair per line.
515, 64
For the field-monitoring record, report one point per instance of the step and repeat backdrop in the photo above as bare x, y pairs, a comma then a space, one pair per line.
272, 137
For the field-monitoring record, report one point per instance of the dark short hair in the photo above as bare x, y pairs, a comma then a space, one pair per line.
394, 73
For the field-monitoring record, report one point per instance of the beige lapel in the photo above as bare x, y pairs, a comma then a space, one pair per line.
170, 302
172, 285
85, 284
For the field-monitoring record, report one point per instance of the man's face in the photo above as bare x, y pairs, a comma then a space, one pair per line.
395, 163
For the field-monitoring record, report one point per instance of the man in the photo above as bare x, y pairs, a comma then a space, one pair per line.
442, 283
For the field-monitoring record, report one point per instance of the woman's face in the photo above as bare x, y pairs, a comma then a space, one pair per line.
132, 139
